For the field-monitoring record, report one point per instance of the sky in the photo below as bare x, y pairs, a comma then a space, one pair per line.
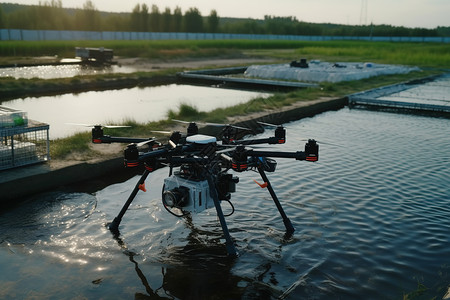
408, 13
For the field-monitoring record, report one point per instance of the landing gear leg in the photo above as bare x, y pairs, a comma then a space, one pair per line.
231, 249
287, 223
114, 225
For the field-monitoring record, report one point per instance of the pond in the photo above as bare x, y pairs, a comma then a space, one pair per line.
372, 218
115, 106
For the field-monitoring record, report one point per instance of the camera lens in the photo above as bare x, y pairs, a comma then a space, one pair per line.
169, 198
177, 197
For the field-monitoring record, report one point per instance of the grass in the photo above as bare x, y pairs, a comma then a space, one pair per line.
419, 54
78, 143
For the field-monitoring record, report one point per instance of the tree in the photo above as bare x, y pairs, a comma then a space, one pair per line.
2, 19
193, 21
135, 18
213, 21
177, 19
144, 20
155, 19
88, 18
116, 22
166, 21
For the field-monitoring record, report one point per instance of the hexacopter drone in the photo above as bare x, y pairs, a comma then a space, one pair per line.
199, 168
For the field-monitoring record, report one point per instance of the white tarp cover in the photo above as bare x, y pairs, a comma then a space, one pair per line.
326, 72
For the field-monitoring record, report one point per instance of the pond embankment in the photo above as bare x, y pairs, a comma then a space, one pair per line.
20, 88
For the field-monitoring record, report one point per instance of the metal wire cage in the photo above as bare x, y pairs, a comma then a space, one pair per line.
24, 145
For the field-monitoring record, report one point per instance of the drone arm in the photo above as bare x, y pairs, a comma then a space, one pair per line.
311, 153
153, 154
299, 155
271, 140
106, 139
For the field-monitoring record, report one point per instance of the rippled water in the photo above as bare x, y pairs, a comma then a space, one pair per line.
372, 221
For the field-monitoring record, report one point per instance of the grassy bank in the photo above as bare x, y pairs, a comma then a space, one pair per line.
418, 54
15, 88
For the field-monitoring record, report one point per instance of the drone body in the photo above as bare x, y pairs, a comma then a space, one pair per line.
199, 169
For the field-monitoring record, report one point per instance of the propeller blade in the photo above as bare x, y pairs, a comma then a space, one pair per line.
226, 150
106, 126
115, 126
268, 124
325, 143
181, 121
224, 125
79, 124
161, 131
212, 124
144, 143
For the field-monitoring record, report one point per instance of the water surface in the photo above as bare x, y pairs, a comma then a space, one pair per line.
115, 106
372, 218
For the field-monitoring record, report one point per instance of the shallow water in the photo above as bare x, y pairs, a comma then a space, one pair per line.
372, 219
116, 106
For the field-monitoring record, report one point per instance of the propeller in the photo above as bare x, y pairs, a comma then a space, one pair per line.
161, 131
305, 140
268, 124
212, 124
325, 143
226, 150
106, 126
146, 144
227, 125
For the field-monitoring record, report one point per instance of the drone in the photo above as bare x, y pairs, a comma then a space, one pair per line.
201, 168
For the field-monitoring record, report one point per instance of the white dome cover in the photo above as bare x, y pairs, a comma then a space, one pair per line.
200, 139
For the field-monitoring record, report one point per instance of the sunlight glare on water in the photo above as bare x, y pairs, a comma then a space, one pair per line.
62, 71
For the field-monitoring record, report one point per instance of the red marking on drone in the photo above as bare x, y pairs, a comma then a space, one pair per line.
262, 185
142, 187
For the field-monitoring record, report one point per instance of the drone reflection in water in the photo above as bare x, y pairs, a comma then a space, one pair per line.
371, 217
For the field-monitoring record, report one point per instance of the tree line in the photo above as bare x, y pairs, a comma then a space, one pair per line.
50, 15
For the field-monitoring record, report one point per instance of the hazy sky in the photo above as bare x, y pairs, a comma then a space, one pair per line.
409, 13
